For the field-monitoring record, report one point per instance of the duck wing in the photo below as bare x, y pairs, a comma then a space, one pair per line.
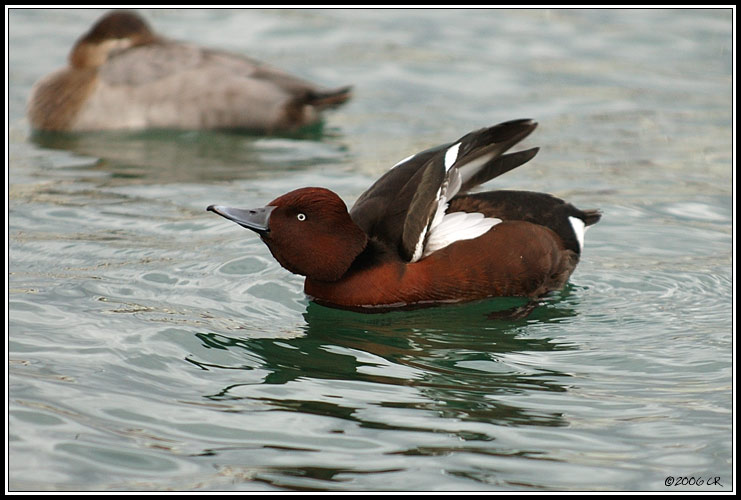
406, 207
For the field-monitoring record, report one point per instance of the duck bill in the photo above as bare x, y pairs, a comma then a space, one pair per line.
256, 219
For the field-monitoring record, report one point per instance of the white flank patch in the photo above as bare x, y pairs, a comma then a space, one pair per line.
579, 229
457, 226
451, 155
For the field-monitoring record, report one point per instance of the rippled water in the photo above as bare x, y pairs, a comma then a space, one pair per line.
154, 346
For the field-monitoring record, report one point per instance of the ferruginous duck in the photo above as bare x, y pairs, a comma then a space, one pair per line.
123, 76
418, 237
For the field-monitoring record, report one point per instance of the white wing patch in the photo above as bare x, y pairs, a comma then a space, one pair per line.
457, 226
420, 246
579, 229
451, 155
446, 192
444, 229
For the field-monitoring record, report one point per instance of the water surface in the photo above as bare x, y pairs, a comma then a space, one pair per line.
155, 346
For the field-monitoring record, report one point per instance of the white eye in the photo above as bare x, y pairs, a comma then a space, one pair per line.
301, 217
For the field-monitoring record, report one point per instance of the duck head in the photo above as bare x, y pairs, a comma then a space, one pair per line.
308, 231
115, 31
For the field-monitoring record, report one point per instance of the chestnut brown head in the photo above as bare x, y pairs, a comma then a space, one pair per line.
308, 231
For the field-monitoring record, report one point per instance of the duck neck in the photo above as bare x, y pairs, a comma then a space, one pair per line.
374, 277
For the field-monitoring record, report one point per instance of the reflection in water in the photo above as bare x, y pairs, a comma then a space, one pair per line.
445, 364
439, 370
174, 156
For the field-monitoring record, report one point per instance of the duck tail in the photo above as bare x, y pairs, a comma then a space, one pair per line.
591, 217
323, 99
